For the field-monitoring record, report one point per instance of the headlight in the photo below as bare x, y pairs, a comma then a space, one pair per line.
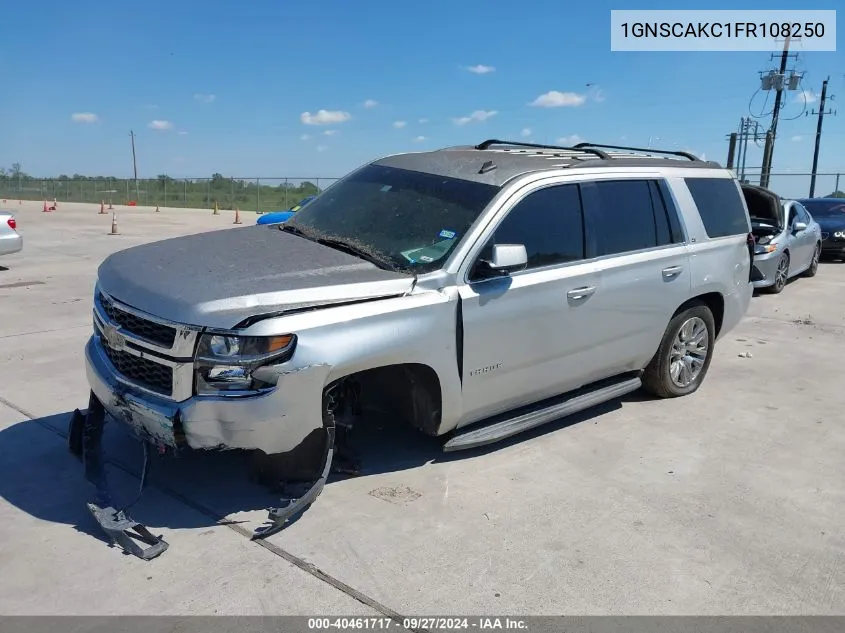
839, 234
762, 249
226, 362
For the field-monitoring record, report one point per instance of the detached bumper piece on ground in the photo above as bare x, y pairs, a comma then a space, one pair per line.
85, 435
85, 438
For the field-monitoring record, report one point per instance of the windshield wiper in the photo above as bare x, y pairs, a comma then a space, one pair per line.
289, 228
374, 258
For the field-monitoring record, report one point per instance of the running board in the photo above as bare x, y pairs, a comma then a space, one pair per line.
499, 430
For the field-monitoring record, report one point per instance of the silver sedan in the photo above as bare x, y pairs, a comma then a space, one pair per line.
786, 246
10, 240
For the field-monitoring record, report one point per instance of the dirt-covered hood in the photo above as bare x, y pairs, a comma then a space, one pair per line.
220, 278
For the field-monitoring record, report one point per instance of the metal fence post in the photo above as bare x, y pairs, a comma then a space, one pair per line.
258, 195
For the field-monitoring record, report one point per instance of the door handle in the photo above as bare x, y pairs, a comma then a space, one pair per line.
672, 271
581, 293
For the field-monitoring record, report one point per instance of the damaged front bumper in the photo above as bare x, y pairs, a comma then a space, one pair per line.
274, 421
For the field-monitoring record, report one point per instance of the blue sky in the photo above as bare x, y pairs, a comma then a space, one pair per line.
229, 84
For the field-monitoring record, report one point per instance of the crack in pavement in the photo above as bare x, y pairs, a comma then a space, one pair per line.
305, 566
58, 329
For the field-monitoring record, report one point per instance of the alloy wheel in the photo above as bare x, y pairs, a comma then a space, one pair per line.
689, 352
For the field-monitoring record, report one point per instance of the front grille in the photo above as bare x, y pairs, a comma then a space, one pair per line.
145, 373
154, 332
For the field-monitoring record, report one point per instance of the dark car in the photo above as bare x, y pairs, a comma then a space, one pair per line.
830, 214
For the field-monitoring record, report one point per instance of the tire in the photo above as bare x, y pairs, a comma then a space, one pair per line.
781, 276
658, 375
814, 264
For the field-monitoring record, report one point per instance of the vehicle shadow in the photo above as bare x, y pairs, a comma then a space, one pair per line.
39, 475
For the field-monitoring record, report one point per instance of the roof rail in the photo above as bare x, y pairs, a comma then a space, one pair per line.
589, 150
585, 147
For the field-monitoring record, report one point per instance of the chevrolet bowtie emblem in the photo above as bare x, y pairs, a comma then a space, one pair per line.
114, 339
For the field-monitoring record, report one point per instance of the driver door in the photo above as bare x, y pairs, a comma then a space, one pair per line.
527, 334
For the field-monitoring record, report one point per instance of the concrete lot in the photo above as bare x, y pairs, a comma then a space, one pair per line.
730, 501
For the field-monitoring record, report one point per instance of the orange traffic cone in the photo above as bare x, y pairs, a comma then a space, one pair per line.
102, 207
45, 209
237, 216
110, 205
55, 205
114, 224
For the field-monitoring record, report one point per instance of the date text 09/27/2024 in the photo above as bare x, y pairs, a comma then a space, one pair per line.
416, 623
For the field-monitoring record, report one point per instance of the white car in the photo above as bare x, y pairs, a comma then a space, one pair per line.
10, 240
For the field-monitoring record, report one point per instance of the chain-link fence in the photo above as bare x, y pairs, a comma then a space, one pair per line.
797, 185
274, 194
247, 194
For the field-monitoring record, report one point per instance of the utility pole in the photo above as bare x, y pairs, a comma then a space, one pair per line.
731, 150
779, 83
134, 164
821, 114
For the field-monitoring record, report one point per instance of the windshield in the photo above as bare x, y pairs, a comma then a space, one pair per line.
412, 219
825, 208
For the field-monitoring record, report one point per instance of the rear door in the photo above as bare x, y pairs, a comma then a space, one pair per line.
636, 238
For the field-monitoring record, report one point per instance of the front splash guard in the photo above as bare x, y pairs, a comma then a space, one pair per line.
85, 436
278, 518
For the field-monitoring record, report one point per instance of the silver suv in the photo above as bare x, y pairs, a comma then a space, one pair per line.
477, 291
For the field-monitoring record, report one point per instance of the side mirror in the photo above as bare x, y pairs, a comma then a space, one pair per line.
799, 226
505, 259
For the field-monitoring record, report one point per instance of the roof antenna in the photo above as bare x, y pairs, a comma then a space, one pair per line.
488, 166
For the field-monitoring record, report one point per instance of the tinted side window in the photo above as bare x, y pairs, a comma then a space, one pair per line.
671, 211
621, 217
803, 215
549, 223
720, 205
661, 219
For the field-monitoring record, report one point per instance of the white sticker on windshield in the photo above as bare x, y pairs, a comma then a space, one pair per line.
387, 188
449, 235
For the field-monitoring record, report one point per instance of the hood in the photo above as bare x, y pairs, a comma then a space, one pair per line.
831, 223
220, 278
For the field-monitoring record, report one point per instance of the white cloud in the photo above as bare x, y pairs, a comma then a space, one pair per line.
806, 96
399, 124
330, 132
370, 103
324, 117
556, 99
423, 120
321, 148
477, 116
84, 117
420, 139
526, 131
305, 137
797, 138
159, 125
572, 139
203, 98
481, 69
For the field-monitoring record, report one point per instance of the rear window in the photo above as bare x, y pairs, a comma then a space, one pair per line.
720, 205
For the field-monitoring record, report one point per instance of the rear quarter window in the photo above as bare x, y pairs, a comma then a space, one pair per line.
720, 206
